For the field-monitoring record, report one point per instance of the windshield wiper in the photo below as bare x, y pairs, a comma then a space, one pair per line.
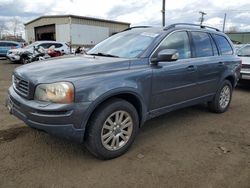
103, 54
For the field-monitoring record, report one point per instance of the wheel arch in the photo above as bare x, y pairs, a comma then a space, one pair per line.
231, 79
132, 97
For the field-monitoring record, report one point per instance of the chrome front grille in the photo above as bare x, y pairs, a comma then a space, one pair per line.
21, 86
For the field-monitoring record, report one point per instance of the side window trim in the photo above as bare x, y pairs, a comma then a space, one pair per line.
215, 45
191, 44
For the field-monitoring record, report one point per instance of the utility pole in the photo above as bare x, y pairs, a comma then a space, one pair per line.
202, 16
224, 22
163, 13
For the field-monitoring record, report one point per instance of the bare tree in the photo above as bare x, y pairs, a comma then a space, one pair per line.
16, 25
2, 28
232, 29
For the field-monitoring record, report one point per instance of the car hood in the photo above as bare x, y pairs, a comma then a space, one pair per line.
20, 50
245, 60
70, 68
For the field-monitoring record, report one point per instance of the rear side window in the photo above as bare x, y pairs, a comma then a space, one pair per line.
202, 43
223, 44
178, 41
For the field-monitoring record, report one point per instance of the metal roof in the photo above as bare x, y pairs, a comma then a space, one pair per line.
75, 16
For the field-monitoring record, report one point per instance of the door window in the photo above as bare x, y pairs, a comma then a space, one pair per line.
2, 44
202, 44
58, 45
178, 41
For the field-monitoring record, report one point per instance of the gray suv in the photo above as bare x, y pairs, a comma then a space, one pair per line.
102, 99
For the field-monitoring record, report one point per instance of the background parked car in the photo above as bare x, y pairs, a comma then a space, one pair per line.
238, 46
244, 53
16, 55
7, 45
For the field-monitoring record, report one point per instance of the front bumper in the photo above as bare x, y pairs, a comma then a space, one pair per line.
61, 120
245, 74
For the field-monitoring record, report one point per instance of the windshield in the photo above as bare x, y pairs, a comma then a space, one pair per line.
244, 51
31, 45
126, 44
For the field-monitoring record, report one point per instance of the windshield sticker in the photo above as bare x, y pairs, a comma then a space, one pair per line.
153, 35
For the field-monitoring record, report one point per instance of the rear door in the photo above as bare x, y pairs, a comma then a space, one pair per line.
174, 82
208, 62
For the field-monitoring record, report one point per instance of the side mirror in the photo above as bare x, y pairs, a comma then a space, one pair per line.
166, 55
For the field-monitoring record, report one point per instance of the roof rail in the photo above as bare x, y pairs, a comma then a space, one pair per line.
188, 24
130, 28
135, 27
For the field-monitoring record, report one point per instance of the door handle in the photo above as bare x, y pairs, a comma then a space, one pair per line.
191, 68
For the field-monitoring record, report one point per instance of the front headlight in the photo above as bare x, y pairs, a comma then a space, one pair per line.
60, 92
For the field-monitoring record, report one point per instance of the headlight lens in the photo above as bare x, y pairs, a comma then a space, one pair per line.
61, 92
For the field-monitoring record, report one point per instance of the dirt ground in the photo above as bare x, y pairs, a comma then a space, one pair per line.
186, 148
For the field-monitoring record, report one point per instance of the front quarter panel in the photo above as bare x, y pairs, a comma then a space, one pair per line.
97, 88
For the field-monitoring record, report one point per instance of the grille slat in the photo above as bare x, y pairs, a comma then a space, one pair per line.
21, 86
23, 90
24, 84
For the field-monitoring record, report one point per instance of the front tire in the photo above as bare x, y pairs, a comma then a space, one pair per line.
112, 129
222, 99
25, 60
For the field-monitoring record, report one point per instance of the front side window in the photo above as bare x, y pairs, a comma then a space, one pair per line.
45, 45
223, 44
178, 41
202, 44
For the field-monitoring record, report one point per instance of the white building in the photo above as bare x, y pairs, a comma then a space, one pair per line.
77, 30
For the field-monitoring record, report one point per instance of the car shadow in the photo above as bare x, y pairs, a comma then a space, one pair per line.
169, 119
41, 141
244, 85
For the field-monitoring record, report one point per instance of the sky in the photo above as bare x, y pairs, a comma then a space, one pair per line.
137, 12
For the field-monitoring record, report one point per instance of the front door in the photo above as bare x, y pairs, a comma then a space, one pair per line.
174, 82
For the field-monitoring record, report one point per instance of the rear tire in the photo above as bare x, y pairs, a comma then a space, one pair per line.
222, 99
112, 129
